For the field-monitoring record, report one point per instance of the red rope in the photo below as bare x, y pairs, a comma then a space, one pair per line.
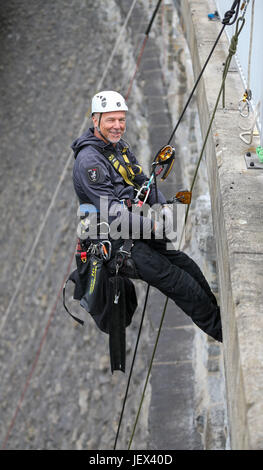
52, 313
137, 66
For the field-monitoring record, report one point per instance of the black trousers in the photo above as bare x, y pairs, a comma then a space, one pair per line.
178, 277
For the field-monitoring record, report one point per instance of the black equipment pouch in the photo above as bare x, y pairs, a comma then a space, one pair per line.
94, 279
110, 300
94, 282
91, 280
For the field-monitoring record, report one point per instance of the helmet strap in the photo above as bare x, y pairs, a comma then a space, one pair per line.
99, 131
100, 120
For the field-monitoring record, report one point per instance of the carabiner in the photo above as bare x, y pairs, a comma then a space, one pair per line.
244, 7
242, 108
105, 249
246, 100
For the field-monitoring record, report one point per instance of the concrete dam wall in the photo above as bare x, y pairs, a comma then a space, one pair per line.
237, 221
57, 390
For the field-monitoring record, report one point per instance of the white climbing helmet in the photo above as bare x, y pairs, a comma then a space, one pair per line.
107, 101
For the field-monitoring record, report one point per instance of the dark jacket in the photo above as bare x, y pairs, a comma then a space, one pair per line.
95, 177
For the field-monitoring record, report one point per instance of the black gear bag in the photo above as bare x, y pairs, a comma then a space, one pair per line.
110, 300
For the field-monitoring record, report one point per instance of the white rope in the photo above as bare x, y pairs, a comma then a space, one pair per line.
251, 131
247, 102
30, 255
61, 179
250, 43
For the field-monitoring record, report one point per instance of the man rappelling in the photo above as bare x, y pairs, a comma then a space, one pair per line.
105, 168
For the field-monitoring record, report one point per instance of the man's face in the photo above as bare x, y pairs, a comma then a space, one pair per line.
112, 125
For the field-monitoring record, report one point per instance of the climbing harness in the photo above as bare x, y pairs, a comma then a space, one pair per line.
125, 168
104, 297
163, 162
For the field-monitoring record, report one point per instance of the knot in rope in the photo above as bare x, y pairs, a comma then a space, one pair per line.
234, 40
231, 52
230, 13
228, 16
233, 45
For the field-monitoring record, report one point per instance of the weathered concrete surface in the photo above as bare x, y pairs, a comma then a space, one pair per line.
172, 417
210, 414
187, 409
236, 196
57, 391
71, 401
